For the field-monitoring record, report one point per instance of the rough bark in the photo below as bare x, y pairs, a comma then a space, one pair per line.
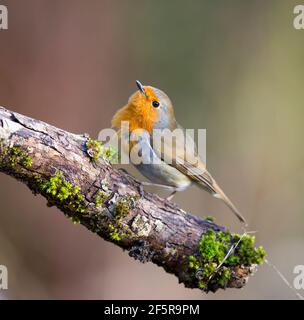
109, 201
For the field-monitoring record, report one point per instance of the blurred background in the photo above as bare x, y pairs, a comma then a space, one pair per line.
233, 67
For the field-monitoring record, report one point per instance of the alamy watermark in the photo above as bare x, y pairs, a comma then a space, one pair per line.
298, 21
3, 17
298, 281
3, 277
139, 146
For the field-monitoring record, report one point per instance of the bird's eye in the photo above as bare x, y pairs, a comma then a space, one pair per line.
155, 104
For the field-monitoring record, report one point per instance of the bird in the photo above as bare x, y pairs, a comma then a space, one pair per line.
150, 110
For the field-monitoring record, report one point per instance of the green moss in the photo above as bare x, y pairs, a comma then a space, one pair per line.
121, 208
118, 207
248, 254
210, 218
63, 192
100, 198
213, 248
202, 285
114, 233
110, 154
223, 276
210, 248
15, 156
193, 262
95, 149
75, 220
27, 162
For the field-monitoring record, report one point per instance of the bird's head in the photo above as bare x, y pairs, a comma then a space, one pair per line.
148, 108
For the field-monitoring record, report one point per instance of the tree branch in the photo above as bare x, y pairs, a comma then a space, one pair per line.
65, 169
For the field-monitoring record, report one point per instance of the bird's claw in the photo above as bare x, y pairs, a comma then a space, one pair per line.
141, 190
123, 170
170, 197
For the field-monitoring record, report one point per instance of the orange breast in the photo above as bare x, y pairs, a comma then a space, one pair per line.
139, 112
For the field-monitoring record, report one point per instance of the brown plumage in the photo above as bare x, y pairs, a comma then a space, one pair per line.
149, 109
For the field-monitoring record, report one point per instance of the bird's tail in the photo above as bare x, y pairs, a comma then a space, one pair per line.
219, 193
204, 179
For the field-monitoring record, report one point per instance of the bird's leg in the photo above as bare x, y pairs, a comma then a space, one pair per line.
146, 183
124, 171
170, 197
141, 190
131, 179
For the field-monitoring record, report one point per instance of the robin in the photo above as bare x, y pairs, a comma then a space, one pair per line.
150, 110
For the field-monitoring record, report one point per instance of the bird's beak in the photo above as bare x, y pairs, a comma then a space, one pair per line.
141, 88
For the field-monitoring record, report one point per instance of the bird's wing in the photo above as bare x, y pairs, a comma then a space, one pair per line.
200, 175
178, 149
197, 172
186, 159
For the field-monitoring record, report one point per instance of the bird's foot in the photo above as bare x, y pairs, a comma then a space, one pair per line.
141, 190
123, 170
170, 197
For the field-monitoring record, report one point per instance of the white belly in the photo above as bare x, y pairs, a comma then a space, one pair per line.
165, 175
153, 168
